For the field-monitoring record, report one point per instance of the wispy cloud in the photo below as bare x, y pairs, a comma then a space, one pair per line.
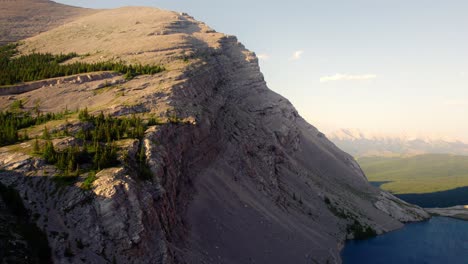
297, 55
347, 77
263, 56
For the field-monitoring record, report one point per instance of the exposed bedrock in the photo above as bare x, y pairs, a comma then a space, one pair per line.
243, 179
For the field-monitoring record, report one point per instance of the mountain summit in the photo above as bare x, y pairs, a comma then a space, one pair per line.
235, 174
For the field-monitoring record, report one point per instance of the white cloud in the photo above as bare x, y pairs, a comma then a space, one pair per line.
263, 56
297, 55
347, 77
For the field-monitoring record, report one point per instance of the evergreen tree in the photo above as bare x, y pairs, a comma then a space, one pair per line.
38, 66
36, 147
45, 133
77, 171
49, 153
83, 115
71, 163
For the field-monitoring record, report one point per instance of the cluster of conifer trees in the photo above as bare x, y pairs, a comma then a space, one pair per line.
39, 66
98, 134
98, 150
12, 122
107, 128
74, 159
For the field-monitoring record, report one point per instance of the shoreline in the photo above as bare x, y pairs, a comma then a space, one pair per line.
458, 212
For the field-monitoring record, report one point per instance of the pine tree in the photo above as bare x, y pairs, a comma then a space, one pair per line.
77, 171
36, 147
25, 136
84, 115
46, 134
49, 153
71, 164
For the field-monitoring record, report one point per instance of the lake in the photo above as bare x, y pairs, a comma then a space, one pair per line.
439, 240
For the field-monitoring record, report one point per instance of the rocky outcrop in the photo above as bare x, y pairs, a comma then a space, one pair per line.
237, 175
399, 209
269, 173
107, 224
76, 79
460, 211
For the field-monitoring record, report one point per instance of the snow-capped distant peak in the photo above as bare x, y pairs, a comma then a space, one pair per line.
360, 143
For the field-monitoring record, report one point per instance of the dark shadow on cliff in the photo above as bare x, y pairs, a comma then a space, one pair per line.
21, 240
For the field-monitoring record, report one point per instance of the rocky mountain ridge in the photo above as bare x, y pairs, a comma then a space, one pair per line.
241, 178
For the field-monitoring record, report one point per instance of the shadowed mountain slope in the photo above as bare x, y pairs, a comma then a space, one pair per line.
237, 175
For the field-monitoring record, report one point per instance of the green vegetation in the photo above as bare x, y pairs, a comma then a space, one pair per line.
98, 150
88, 182
107, 128
94, 147
12, 122
359, 231
39, 66
338, 212
417, 174
144, 171
70, 159
16, 105
355, 227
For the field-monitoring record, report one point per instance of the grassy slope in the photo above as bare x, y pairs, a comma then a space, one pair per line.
417, 174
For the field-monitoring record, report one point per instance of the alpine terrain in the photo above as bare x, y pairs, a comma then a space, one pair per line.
166, 146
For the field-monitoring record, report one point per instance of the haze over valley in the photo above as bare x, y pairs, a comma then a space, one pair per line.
360, 144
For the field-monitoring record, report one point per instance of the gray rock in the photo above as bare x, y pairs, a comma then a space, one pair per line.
238, 175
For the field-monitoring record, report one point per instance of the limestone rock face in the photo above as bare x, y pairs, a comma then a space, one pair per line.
400, 210
243, 179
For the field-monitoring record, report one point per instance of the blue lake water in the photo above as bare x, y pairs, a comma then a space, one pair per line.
439, 240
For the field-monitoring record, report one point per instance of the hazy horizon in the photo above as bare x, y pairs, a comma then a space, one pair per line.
399, 67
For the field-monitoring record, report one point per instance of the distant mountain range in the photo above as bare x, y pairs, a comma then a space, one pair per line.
359, 144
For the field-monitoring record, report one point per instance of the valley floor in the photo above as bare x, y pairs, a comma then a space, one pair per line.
420, 174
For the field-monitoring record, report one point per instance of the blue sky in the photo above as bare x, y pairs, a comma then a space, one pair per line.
385, 66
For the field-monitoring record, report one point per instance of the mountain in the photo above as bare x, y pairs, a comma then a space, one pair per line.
360, 144
20, 19
226, 171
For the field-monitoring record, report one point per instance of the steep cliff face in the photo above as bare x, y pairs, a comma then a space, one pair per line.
244, 179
